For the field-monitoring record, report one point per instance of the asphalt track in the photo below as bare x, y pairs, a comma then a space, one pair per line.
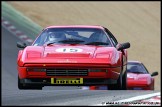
11, 95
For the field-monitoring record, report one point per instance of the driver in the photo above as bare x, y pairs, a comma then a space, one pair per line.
56, 36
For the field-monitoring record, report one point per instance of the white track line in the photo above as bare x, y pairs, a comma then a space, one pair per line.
139, 97
142, 97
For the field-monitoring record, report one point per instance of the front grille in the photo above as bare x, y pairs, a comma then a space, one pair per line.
67, 72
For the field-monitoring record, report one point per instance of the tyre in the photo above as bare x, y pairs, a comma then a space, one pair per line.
23, 86
117, 86
124, 81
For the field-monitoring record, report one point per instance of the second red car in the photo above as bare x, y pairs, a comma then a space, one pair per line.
138, 77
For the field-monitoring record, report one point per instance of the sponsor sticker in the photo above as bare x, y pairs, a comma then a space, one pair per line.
69, 50
66, 80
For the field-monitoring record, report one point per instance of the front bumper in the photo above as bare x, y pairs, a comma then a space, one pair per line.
105, 73
138, 85
86, 82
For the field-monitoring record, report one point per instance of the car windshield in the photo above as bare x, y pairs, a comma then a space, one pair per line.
136, 68
86, 36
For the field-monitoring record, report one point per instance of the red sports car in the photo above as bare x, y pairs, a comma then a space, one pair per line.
80, 55
138, 77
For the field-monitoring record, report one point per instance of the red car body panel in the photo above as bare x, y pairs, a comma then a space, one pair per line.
141, 81
91, 56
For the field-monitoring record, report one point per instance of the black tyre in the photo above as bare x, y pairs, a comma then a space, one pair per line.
117, 86
22, 86
124, 81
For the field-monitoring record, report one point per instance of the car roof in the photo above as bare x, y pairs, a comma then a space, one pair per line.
77, 26
133, 61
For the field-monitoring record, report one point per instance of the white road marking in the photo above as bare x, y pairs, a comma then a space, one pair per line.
142, 97
18, 32
11, 28
139, 97
6, 22
23, 36
29, 40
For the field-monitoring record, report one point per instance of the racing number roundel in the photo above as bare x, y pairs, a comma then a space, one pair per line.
69, 50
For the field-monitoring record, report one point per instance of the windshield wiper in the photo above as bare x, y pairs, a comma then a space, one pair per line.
50, 43
71, 41
97, 43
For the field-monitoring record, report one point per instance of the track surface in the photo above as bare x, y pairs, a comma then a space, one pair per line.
11, 95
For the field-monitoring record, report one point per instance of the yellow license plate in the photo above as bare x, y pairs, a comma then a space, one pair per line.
66, 80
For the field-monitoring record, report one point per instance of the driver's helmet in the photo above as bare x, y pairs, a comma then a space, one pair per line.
56, 36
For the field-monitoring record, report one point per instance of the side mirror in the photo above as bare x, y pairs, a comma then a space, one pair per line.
123, 46
154, 74
21, 45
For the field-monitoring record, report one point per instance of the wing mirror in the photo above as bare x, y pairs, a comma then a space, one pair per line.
123, 46
21, 45
154, 74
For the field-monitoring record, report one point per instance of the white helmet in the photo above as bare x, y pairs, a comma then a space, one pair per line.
56, 36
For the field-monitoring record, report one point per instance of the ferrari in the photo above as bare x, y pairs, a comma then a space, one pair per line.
139, 77
73, 55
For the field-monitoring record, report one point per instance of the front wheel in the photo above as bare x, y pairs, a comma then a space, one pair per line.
117, 86
124, 81
23, 86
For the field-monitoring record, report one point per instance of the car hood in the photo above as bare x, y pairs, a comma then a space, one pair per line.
66, 51
72, 53
137, 76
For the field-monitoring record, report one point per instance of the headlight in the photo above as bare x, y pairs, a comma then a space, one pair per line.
33, 55
103, 56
